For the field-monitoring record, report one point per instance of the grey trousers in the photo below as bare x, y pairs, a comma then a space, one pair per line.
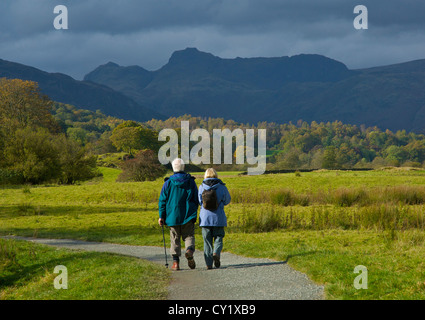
187, 233
213, 242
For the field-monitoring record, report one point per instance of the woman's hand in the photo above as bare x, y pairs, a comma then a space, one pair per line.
161, 221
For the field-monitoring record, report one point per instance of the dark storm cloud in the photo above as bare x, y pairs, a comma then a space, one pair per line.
147, 32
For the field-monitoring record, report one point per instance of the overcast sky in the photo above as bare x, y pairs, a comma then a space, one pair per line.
147, 32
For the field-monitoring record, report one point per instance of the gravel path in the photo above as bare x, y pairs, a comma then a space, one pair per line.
238, 278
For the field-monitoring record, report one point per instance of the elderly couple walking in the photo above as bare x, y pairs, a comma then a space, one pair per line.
178, 207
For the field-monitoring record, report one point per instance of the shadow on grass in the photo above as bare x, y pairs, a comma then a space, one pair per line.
21, 275
265, 264
11, 187
300, 255
28, 209
137, 235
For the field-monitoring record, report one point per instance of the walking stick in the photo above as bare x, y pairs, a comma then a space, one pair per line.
165, 250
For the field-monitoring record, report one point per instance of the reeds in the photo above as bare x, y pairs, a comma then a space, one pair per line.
375, 217
342, 197
7, 253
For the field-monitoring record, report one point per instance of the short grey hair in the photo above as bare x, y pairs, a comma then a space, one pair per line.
178, 165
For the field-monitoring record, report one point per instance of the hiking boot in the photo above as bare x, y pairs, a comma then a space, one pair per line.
216, 259
175, 266
209, 267
190, 261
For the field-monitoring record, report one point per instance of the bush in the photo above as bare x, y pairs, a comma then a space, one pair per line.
10, 177
287, 197
282, 197
409, 195
33, 154
75, 164
345, 197
38, 156
144, 167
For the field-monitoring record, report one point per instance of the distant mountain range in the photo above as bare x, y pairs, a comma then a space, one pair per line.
82, 94
307, 87
283, 89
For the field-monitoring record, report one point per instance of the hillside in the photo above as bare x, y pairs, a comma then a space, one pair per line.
283, 89
87, 95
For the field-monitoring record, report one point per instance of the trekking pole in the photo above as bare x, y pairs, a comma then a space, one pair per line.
165, 250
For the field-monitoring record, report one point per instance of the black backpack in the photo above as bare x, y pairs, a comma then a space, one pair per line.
209, 200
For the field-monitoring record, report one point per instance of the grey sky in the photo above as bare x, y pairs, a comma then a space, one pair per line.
146, 32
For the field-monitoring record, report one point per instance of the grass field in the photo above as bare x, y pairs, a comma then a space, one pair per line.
27, 273
323, 223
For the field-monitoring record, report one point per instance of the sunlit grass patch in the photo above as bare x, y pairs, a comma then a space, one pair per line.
27, 272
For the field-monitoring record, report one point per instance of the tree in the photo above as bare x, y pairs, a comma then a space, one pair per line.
291, 160
31, 148
40, 156
78, 134
329, 158
306, 142
23, 105
396, 155
416, 151
346, 156
75, 164
33, 153
128, 137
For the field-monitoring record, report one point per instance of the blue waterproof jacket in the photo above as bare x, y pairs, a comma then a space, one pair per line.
178, 202
216, 218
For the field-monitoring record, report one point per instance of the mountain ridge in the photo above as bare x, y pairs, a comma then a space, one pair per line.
310, 87
306, 87
83, 94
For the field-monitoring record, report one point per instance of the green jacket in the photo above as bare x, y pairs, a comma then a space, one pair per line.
178, 202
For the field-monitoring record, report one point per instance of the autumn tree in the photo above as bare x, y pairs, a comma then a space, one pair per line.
130, 136
22, 105
31, 147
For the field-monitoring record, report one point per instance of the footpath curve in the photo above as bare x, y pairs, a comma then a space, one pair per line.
238, 278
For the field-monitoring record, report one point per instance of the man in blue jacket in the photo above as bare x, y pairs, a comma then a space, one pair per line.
178, 206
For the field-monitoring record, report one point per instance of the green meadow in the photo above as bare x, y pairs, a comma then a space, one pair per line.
323, 223
27, 273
